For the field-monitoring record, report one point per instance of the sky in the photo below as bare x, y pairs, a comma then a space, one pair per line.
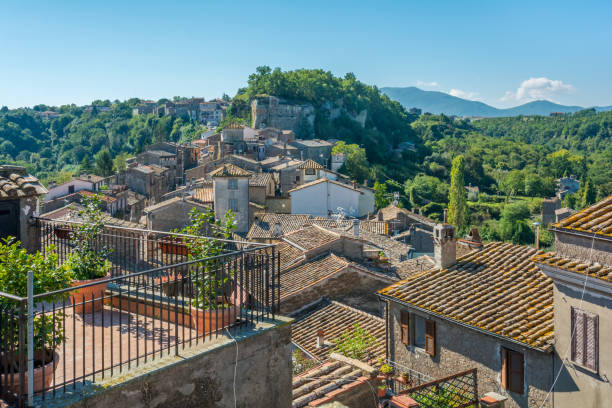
503, 53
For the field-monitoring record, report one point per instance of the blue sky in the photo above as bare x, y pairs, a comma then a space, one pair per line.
500, 52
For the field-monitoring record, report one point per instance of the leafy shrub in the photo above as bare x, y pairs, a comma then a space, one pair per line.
355, 343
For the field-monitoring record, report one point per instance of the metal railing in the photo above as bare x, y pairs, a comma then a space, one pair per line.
156, 302
459, 390
405, 378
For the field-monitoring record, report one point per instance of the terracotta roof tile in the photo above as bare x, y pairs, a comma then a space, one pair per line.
321, 380
596, 219
230, 170
593, 269
324, 180
288, 254
311, 237
498, 289
310, 164
204, 194
263, 228
335, 318
260, 179
296, 278
15, 183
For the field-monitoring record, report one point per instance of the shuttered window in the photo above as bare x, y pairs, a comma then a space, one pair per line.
585, 339
512, 371
430, 337
405, 327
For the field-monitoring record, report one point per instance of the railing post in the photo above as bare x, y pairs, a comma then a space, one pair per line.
30, 338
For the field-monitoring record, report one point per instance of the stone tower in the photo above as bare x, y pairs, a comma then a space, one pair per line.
231, 192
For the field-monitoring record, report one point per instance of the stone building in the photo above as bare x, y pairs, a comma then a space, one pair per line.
261, 186
231, 192
582, 276
549, 206
171, 214
314, 149
270, 111
150, 181
19, 199
491, 309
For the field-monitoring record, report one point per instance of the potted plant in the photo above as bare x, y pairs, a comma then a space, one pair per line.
210, 309
386, 370
15, 263
88, 261
382, 258
382, 391
405, 377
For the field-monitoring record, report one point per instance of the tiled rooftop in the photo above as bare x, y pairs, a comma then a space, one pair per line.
594, 270
296, 278
391, 212
230, 170
335, 318
322, 380
260, 179
204, 194
263, 228
498, 289
324, 180
596, 219
288, 254
311, 237
406, 269
16, 182
310, 164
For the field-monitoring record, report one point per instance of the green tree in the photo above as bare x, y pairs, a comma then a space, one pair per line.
589, 195
356, 164
104, 163
457, 196
119, 162
513, 225
86, 166
381, 196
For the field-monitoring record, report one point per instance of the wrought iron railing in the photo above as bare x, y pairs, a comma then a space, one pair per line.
156, 302
455, 391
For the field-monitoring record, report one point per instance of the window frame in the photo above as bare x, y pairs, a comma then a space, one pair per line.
405, 327
582, 338
232, 184
229, 205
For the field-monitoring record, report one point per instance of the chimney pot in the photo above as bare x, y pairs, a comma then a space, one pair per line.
445, 245
320, 339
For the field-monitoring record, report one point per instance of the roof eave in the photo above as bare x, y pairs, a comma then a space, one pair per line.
581, 233
468, 326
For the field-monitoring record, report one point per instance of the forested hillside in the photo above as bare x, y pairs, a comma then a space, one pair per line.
48, 147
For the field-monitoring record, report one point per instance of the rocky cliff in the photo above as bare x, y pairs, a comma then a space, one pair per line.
270, 111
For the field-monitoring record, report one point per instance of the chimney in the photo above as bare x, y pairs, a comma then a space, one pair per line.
445, 249
356, 224
380, 215
445, 215
320, 339
277, 229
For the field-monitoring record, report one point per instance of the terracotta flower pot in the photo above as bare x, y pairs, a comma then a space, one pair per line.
89, 292
174, 247
62, 232
210, 321
382, 392
42, 381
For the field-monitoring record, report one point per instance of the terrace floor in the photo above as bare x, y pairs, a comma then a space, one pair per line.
112, 340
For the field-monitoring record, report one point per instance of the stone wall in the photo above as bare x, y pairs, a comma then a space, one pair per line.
205, 378
579, 247
278, 205
270, 111
459, 348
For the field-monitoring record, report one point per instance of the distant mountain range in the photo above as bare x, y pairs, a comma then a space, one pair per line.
440, 102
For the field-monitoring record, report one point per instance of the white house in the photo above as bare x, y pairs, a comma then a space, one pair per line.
86, 182
324, 197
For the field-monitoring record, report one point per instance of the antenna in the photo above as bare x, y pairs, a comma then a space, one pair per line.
395, 198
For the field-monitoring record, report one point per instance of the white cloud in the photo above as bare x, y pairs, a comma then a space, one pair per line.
432, 84
537, 88
463, 94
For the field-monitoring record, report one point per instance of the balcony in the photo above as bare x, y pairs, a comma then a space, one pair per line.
145, 310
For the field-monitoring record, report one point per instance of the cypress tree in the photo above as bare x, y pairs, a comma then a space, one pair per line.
588, 195
457, 196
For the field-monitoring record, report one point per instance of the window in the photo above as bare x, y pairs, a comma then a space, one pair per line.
71, 189
233, 205
419, 332
310, 172
424, 334
232, 184
512, 374
585, 339
405, 327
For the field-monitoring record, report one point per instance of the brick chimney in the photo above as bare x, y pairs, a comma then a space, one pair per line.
445, 249
356, 224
